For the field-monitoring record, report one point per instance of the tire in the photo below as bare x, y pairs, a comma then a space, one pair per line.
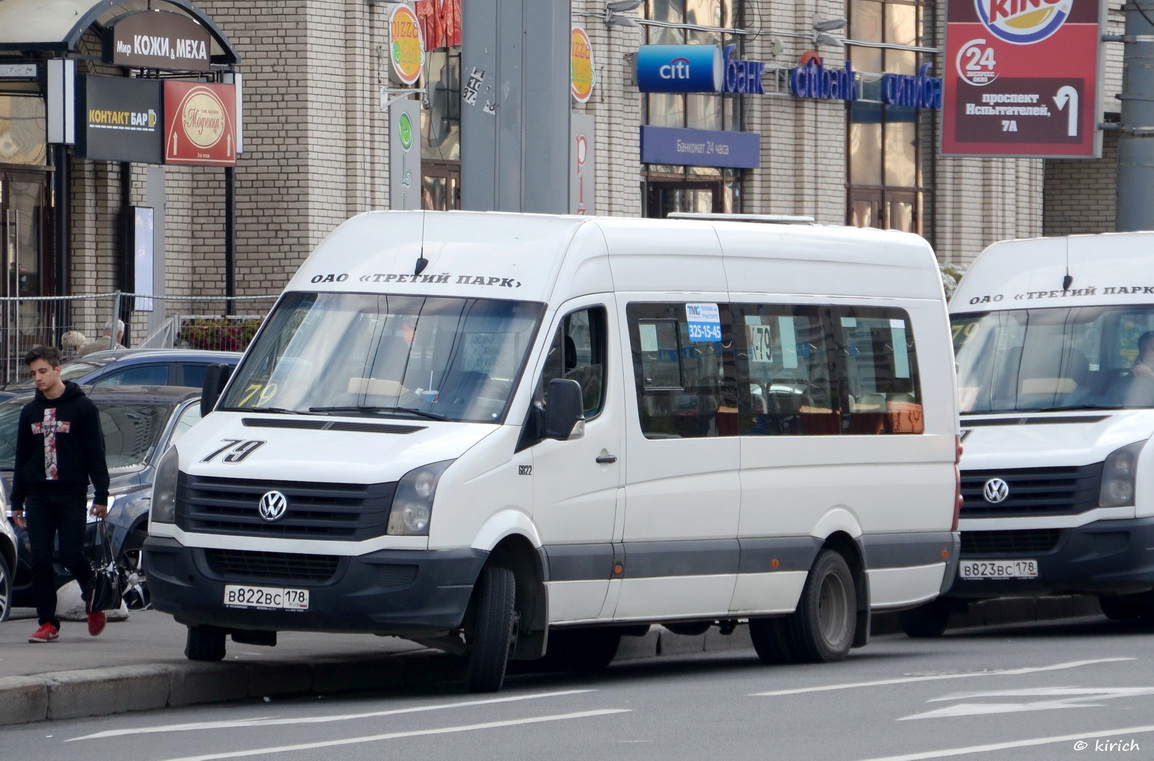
822, 628
1127, 607
770, 638
204, 643
131, 559
583, 649
5, 589
492, 636
926, 621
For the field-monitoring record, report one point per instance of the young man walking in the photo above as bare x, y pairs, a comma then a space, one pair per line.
59, 449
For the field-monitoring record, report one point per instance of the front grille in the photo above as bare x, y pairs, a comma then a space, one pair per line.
240, 565
1033, 491
1017, 542
346, 512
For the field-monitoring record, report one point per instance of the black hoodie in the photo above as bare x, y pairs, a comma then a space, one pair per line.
59, 445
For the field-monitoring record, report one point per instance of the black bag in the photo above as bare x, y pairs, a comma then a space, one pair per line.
106, 584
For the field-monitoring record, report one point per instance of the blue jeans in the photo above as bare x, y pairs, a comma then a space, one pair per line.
56, 516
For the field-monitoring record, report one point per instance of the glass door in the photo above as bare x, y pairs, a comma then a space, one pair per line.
26, 256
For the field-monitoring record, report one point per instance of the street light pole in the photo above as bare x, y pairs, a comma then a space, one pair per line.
1135, 209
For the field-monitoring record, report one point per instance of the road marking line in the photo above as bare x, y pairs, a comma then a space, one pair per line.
991, 747
262, 721
1055, 698
400, 735
936, 677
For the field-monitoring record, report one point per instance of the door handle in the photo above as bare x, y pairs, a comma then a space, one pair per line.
607, 459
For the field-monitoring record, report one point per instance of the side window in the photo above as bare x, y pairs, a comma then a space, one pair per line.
193, 375
144, 375
683, 367
189, 417
578, 351
787, 374
883, 394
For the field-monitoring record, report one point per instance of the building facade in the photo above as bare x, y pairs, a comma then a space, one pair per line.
324, 83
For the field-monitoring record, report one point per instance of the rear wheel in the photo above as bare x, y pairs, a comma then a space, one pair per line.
492, 630
770, 638
926, 621
822, 628
204, 643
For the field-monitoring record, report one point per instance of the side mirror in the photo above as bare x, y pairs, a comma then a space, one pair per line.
215, 378
565, 409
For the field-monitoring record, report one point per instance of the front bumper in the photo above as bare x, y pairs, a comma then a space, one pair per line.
1104, 557
392, 592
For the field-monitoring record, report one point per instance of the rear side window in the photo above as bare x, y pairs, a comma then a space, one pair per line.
141, 375
774, 370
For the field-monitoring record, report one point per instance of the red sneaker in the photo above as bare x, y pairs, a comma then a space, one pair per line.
96, 622
46, 633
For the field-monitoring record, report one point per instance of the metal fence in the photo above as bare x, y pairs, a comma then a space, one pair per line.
69, 322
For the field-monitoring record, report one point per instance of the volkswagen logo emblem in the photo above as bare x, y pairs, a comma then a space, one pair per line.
273, 506
995, 490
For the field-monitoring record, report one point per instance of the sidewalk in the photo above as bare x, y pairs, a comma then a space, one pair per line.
138, 664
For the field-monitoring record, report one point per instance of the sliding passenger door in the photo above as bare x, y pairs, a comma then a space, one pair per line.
682, 486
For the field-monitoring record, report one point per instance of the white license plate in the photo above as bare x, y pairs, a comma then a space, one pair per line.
998, 569
268, 598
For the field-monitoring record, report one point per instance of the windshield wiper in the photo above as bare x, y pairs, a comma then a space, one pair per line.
274, 410
373, 410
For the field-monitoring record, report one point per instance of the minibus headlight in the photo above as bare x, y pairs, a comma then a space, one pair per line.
1118, 476
164, 488
413, 502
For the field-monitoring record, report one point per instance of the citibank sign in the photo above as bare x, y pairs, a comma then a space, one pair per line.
679, 68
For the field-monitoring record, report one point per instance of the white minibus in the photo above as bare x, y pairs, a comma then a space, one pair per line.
1057, 407
499, 434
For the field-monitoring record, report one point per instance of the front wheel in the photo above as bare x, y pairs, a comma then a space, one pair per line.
1127, 607
822, 628
204, 643
492, 630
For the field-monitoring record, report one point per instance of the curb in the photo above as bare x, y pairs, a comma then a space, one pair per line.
105, 691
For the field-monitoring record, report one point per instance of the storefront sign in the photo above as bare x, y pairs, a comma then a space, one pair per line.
679, 68
582, 72
813, 80
922, 91
158, 40
440, 22
406, 45
698, 147
1023, 78
742, 77
199, 124
120, 120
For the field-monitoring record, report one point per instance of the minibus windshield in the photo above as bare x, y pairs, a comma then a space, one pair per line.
1064, 358
379, 355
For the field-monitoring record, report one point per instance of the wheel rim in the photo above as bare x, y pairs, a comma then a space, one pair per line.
833, 609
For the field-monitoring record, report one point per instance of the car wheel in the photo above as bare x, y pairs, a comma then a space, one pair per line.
492, 630
5, 589
822, 628
131, 560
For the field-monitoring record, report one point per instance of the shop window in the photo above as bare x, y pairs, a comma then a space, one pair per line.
885, 147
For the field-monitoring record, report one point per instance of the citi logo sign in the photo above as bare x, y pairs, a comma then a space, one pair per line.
678, 68
1023, 22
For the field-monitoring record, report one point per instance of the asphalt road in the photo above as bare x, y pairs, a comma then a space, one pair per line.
1038, 692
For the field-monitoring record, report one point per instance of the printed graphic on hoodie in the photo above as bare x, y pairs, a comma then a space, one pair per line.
50, 427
